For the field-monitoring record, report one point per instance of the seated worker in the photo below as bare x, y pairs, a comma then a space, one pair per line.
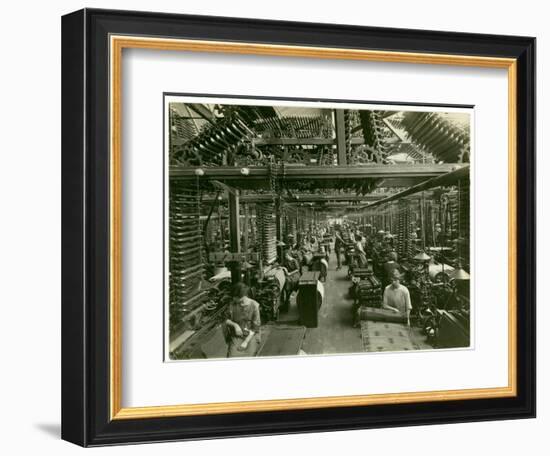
307, 254
323, 249
397, 297
313, 243
389, 267
306, 245
242, 326
290, 241
360, 252
290, 262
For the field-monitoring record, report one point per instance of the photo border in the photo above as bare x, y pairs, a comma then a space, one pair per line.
203, 98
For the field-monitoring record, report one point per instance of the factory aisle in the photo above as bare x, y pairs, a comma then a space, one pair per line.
335, 333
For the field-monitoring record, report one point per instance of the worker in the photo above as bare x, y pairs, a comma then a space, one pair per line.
339, 248
323, 265
242, 326
389, 267
307, 256
293, 271
312, 242
290, 262
297, 253
290, 241
360, 252
440, 236
397, 298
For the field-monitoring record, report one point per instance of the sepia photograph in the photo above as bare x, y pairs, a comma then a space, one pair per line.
301, 228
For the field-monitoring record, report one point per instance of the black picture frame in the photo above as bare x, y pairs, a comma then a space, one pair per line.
85, 227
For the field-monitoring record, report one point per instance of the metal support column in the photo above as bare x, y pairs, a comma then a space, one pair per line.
234, 233
221, 227
279, 226
245, 228
340, 124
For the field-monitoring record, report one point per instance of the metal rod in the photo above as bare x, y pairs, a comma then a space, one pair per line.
234, 234
340, 124
299, 172
444, 180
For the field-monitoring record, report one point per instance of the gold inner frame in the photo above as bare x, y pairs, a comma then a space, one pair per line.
117, 44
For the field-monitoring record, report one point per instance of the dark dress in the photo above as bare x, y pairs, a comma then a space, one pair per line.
338, 249
248, 318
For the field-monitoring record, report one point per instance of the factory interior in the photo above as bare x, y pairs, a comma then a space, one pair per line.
322, 216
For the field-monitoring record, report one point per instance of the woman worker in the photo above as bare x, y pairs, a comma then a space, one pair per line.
242, 324
397, 298
293, 271
339, 248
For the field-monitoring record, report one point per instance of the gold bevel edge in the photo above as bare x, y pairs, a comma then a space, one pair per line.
120, 42
170, 44
115, 308
309, 403
512, 226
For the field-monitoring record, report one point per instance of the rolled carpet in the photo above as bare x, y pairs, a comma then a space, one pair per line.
375, 314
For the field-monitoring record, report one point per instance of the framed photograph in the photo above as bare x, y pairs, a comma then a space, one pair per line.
278, 227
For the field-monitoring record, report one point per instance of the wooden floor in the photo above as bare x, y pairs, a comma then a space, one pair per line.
335, 333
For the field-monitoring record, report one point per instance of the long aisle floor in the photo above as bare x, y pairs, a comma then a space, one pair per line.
335, 332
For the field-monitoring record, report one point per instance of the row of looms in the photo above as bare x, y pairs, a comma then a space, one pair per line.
258, 194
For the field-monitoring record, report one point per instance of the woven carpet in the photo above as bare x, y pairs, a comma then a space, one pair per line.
379, 336
283, 341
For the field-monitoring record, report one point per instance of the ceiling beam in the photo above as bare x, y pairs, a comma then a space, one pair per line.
301, 141
293, 172
303, 198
